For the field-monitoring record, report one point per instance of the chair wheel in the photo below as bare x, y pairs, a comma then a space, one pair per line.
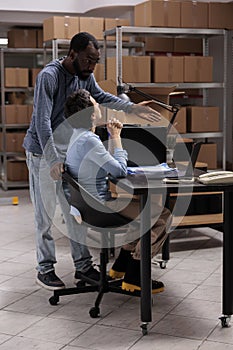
54, 300
163, 264
80, 283
94, 312
225, 321
144, 328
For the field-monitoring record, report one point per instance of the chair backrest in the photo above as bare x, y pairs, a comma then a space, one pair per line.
94, 213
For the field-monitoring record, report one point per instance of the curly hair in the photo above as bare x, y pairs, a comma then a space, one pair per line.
80, 41
79, 108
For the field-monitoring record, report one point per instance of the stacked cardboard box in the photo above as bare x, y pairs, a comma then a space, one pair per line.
135, 69
202, 119
208, 154
60, 27
17, 170
16, 77
14, 141
157, 14
17, 114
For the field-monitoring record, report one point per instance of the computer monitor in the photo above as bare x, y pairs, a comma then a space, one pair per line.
146, 145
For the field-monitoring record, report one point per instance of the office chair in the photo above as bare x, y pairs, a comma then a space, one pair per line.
104, 220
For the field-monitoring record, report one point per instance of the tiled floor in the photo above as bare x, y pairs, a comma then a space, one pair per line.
185, 316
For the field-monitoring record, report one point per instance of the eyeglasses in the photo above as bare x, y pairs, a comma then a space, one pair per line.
88, 61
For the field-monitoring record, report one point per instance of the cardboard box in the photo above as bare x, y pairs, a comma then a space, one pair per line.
153, 44
167, 69
180, 123
108, 86
202, 119
188, 45
220, 15
33, 72
13, 143
198, 69
156, 13
110, 23
99, 72
194, 14
92, 25
135, 69
16, 98
39, 38
17, 170
59, 27
208, 154
21, 38
16, 114
16, 77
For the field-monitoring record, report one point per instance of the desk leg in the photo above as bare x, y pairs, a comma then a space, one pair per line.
227, 288
146, 302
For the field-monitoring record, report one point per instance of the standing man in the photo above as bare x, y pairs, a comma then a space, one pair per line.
46, 153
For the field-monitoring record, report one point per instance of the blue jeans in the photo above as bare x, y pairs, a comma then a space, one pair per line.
44, 192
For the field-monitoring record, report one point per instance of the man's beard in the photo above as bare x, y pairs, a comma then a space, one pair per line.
83, 75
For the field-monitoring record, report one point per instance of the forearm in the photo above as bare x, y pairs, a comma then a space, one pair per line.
114, 143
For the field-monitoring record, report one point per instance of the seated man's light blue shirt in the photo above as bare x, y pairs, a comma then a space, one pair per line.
88, 161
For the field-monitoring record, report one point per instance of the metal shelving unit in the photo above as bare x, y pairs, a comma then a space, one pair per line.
4, 128
61, 45
205, 35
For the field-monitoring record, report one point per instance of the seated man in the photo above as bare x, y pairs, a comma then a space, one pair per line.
88, 161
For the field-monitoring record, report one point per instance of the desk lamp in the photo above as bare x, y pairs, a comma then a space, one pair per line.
122, 91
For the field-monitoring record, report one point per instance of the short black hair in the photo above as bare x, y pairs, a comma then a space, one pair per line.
80, 41
79, 108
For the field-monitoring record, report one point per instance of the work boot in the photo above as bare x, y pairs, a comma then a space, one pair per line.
132, 280
119, 267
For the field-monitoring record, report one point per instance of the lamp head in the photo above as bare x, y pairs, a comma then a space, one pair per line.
121, 93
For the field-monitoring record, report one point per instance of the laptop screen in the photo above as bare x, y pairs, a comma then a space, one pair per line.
146, 145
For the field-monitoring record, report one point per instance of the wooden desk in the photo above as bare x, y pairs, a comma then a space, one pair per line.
139, 185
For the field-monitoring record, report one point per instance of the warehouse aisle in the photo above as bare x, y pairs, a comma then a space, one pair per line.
185, 316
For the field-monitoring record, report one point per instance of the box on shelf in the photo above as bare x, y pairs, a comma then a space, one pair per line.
14, 141
110, 23
16, 114
208, 154
198, 69
180, 121
92, 25
17, 170
194, 14
16, 97
60, 27
39, 38
135, 69
22, 38
202, 119
190, 45
16, 77
108, 86
220, 15
99, 72
156, 13
153, 44
167, 69
33, 72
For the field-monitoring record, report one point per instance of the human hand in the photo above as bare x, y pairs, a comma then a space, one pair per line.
56, 170
145, 112
114, 128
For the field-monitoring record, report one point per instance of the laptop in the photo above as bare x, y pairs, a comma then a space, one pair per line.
145, 145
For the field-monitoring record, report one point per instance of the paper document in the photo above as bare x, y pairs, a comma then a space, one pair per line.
155, 171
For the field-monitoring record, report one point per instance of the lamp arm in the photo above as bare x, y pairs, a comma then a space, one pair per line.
166, 106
